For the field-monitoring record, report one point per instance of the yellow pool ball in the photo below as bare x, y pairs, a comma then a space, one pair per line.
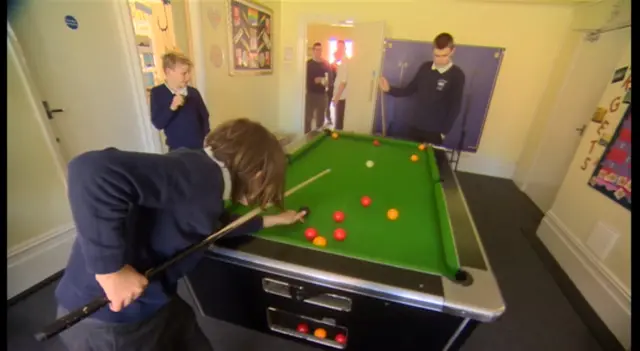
393, 214
334, 135
320, 333
414, 158
319, 241
421, 147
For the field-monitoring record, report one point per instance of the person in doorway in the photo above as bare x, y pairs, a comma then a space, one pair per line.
333, 70
316, 98
177, 108
133, 211
440, 84
340, 85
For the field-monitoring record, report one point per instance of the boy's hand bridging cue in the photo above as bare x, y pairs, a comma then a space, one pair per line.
284, 218
122, 287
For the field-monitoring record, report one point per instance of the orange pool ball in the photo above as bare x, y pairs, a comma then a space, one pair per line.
422, 147
414, 158
334, 135
393, 214
320, 241
320, 333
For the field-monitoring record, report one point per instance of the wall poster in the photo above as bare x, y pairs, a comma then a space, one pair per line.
612, 175
250, 38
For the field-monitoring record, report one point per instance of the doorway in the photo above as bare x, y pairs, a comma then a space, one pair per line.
364, 44
83, 73
154, 35
322, 40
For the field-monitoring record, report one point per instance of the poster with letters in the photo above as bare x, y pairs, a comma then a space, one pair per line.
612, 175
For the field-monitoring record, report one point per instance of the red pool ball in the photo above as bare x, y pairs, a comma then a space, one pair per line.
303, 328
341, 339
376, 143
339, 234
310, 234
338, 216
365, 201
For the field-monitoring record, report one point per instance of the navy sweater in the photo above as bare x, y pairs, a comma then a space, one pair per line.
185, 127
439, 97
140, 209
315, 70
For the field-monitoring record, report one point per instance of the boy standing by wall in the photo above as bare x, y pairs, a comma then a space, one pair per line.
178, 109
439, 83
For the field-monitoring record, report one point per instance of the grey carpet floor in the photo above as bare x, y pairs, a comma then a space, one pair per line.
538, 316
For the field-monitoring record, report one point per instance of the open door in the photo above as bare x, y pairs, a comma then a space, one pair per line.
362, 80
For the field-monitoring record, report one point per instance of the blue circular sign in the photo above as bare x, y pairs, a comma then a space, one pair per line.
71, 22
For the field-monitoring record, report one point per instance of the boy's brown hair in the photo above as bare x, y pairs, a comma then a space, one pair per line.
255, 158
172, 58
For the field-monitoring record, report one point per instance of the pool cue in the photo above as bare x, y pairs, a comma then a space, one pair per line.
382, 112
72, 318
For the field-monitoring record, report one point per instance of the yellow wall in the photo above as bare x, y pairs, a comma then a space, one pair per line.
532, 35
227, 97
321, 33
580, 207
36, 197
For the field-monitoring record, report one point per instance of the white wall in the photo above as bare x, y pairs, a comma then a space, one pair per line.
38, 214
568, 229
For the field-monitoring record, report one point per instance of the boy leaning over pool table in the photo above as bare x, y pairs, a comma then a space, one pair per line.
133, 211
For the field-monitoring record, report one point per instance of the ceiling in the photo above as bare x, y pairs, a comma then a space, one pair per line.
541, 2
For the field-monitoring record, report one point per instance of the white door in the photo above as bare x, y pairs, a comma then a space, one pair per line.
584, 84
82, 67
362, 80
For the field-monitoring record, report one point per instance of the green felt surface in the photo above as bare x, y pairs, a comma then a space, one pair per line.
420, 239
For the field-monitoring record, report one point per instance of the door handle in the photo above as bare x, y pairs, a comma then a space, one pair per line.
581, 129
49, 111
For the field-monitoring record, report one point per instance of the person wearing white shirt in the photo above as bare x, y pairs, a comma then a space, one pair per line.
340, 89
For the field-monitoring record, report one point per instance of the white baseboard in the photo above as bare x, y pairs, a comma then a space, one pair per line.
485, 165
37, 259
610, 299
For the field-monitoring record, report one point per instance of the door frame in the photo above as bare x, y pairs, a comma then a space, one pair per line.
196, 47
151, 137
125, 32
300, 68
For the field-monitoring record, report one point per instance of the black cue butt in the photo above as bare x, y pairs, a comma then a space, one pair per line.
66, 322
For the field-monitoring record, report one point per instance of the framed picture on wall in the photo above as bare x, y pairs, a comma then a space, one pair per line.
250, 35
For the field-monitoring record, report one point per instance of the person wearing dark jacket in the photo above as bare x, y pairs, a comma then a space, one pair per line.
177, 108
440, 85
133, 211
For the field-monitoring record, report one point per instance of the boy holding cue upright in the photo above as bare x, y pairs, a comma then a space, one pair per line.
134, 211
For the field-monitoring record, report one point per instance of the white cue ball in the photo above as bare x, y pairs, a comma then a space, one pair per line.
369, 164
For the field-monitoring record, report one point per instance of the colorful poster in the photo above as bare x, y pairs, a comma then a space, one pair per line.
249, 38
612, 175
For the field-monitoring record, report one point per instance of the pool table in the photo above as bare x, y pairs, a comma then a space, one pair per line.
420, 281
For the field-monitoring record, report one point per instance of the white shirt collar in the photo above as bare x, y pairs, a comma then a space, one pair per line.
182, 91
443, 68
226, 176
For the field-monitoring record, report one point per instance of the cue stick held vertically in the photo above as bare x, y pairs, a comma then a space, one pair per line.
65, 322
